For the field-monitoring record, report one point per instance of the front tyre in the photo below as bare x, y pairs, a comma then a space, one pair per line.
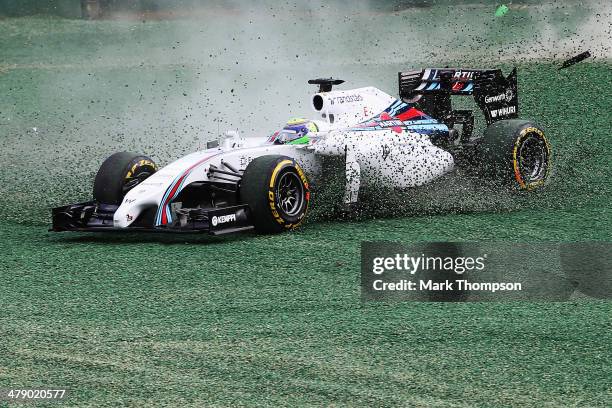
277, 192
516, 153
120, 173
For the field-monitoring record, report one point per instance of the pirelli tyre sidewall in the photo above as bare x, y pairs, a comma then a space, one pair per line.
517, 153
277, 192
120, 173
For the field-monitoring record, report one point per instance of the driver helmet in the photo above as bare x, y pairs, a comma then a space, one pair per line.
295, 132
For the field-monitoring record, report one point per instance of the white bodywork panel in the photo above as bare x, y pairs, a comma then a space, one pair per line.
350, 107
385, 157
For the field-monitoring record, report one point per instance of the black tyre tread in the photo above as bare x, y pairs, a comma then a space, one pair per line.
254, 188
497, 146
108, 184
499, 137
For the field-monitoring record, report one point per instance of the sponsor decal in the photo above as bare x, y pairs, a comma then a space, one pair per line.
509, 110
391, 123
141, 163
345, 99
457, 86
275, 213
129, 217
302, 175
386, 122
222, 219
272, 198
464, 74
245, 160
507, 96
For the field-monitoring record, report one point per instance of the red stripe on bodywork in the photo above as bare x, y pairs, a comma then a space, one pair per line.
170, 197
164, 218
410, 114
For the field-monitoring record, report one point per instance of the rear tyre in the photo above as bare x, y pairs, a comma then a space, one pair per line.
277, 192
516, 153
120, 173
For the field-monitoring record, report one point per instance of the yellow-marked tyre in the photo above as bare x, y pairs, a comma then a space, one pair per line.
120, 173
517, 153
277, 192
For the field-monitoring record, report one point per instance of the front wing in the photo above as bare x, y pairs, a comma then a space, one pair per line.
95, 217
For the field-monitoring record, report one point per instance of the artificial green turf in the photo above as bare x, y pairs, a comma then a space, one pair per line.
254, 320
277, 320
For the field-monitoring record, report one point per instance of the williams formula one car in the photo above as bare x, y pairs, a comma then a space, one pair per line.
265, 182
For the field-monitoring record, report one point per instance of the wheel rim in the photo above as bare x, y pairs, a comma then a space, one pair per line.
533, 158
290, 194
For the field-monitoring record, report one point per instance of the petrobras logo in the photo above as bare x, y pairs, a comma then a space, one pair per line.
507, 97
222, 219
509, 110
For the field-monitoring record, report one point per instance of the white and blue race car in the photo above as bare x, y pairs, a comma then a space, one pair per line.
240, 183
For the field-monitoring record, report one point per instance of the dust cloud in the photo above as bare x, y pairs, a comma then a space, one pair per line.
78, 91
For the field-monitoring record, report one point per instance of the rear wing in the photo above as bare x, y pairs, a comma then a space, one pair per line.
431, 88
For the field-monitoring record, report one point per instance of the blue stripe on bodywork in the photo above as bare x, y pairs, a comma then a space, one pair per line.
393, 106
415, 126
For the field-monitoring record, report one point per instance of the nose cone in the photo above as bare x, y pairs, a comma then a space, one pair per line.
135, 202
124, 216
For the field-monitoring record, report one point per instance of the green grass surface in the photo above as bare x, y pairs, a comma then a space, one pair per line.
137, 320
262, 320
